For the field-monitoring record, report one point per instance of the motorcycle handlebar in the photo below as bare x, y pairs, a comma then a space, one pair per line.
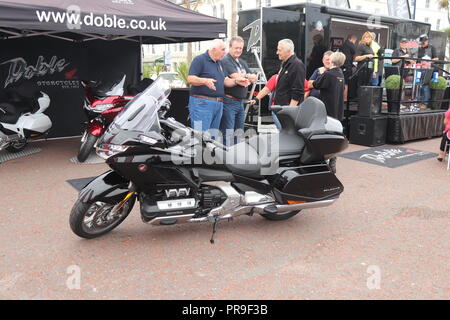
204, 136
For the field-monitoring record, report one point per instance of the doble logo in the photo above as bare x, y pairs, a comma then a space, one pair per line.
19, 68
255, 33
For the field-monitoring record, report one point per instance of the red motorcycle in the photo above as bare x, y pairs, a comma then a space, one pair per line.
102, 104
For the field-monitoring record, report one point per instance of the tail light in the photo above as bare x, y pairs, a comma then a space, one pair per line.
106, 151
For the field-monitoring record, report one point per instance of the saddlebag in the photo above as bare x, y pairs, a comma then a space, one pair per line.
307, 183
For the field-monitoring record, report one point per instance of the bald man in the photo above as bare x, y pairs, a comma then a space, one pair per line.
207, 79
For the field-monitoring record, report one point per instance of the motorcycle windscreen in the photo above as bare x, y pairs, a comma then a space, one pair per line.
140, 115
117, 88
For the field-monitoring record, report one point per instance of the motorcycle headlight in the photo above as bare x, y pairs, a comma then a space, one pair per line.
106, 151
102, 107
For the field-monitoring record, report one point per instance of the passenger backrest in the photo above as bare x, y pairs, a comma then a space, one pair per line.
312, 115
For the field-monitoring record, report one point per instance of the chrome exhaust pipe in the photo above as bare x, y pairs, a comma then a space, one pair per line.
305, 205
158, 221
261, 209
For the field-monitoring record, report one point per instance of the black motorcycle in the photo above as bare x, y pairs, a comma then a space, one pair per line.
181, 175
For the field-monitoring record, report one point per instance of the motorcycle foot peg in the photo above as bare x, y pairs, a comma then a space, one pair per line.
271, 209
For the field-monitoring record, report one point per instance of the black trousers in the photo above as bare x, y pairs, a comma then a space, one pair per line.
443, 141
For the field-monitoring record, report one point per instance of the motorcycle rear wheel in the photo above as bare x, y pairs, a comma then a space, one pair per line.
86, 147
280, 216
90, 220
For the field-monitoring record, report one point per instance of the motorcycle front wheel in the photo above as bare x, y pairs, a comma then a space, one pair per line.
93, 219
86, 147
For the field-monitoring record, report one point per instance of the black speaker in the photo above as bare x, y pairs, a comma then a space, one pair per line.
369, 132
370, 99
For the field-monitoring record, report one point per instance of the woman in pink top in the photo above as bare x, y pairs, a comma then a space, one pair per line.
446, 135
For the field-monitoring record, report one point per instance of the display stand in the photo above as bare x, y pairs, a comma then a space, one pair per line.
410, 121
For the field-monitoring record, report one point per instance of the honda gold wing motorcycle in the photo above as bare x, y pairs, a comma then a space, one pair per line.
22, 116
180, 175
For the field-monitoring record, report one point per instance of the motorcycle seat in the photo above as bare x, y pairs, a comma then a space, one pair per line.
308, 118
11, 112
259, 154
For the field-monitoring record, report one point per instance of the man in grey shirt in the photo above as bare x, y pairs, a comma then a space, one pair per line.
233, 103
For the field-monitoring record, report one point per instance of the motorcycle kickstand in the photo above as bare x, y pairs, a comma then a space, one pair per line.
215, 223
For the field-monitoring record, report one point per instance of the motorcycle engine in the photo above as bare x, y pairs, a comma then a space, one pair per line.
180, 200
212, 197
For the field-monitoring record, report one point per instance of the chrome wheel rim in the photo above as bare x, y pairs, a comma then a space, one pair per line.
101, 216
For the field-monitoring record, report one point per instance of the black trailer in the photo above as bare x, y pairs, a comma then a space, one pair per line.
264, 27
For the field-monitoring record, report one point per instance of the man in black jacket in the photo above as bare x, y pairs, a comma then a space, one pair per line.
349, 49
291, 77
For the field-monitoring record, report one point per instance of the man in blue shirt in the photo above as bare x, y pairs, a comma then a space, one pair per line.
207, 80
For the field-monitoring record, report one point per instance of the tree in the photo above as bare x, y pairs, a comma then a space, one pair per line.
445, 4
183, 72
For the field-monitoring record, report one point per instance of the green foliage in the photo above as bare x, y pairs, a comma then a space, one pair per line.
443, 4
441, 84
393, 82
447, 31
147, 71
183, 71
153, 69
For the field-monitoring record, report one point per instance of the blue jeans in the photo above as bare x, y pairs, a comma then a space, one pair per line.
205, 114
424, 94
232, 119
276, 121
374, 81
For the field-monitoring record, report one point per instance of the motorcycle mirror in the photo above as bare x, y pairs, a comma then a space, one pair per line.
147, 140
151, 140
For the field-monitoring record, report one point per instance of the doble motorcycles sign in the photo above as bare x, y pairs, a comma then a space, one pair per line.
389, 156
20, 69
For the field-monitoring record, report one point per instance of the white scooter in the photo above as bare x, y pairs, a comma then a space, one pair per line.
22, 118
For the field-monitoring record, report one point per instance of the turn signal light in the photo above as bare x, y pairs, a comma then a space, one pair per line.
295, 202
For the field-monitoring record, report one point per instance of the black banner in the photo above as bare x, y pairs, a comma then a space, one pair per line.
57, 66
156, 20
